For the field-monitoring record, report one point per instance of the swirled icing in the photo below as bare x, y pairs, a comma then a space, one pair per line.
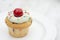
21, 19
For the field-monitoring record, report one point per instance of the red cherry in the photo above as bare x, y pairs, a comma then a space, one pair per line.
18, 12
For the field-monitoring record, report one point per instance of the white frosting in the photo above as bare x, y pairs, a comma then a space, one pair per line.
21, 19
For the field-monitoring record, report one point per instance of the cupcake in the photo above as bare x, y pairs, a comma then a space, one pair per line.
18, 22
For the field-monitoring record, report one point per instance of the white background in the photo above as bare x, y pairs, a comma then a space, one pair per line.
46, 11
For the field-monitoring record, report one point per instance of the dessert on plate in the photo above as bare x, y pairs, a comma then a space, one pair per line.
18, 22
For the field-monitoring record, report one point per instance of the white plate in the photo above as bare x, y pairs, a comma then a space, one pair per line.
36, 31
40, 26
